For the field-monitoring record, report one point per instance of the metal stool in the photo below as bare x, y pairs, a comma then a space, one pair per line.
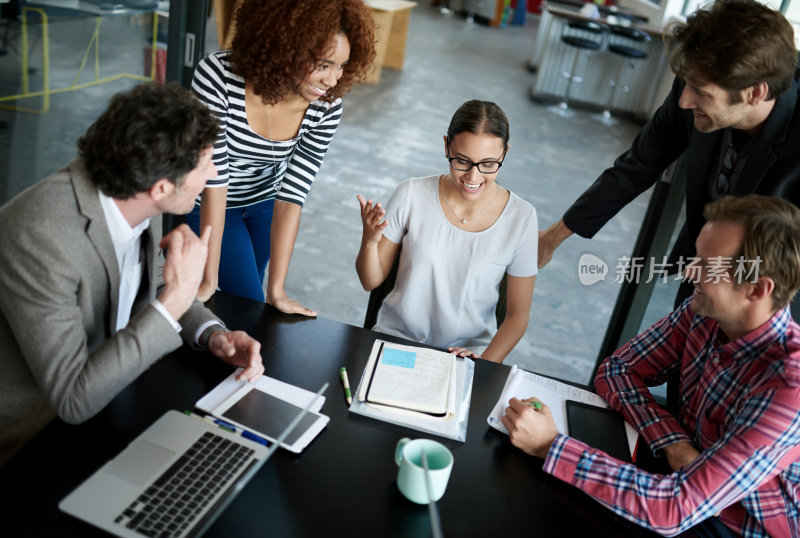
584, 36
629, 36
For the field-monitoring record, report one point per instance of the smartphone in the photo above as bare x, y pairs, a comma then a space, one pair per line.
599, 427
267, 416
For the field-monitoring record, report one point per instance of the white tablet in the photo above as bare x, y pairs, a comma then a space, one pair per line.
267, 416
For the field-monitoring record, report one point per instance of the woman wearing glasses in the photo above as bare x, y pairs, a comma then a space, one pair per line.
277, 93
460, 233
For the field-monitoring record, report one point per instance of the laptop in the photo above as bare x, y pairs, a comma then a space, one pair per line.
173, 480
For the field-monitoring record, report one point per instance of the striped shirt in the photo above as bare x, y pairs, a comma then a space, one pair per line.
253, 167
740, 406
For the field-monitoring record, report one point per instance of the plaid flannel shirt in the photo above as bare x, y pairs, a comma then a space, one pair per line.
739, 406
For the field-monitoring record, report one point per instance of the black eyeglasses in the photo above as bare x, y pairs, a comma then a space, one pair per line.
726, 170
484, 167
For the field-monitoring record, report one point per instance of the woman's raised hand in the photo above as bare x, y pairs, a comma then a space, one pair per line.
371, 217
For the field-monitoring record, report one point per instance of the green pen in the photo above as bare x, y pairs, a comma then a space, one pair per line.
536, 405
346, 385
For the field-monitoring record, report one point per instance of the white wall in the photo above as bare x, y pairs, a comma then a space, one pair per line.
659, 15
793, 14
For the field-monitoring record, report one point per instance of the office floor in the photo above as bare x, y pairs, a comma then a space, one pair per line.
391, 131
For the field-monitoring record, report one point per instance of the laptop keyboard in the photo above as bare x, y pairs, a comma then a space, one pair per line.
175, 500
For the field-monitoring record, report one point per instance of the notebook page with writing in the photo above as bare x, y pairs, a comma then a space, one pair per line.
412, 378
523, 384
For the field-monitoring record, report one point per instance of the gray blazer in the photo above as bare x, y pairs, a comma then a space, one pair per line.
59, 287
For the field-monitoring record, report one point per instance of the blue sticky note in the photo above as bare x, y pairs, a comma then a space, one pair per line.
397, 357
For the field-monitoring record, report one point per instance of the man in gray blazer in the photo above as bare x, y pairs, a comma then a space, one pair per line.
87, 300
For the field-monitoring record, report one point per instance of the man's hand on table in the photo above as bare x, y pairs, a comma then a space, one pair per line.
239, 349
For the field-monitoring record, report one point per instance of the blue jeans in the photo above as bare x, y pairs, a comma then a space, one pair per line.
245, 248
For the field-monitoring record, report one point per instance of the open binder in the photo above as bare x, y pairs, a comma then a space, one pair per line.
417, 387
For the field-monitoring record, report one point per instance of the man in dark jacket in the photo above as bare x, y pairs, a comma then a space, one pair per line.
732, 110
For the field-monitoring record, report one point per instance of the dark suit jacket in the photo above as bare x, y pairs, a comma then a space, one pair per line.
59, 291
772, 167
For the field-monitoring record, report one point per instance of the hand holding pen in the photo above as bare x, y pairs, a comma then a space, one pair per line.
530, 426
536, 404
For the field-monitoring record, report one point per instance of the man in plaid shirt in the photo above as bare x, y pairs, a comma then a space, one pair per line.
734, 446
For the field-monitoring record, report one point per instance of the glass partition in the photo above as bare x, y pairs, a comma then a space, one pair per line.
60, 62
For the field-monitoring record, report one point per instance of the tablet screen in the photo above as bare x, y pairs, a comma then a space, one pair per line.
599, 428
265, 414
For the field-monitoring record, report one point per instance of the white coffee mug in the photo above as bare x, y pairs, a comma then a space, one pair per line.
411, 474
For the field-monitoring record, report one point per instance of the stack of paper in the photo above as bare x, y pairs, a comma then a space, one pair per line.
421, 388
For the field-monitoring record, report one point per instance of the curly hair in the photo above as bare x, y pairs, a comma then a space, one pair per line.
278, 42
736, 44
151, 132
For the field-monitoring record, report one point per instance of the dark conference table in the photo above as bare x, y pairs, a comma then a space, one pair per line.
344, 481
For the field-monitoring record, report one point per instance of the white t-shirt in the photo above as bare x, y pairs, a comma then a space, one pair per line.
448, 279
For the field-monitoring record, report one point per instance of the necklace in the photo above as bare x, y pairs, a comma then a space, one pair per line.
464, 221
271, 138
269, 126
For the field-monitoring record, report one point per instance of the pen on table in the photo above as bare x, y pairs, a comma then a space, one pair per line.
241, 431
346, 385
211, 420
231, 428
224, 425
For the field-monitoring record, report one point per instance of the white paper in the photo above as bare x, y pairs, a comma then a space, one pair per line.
228, 387
426, 383
523, 384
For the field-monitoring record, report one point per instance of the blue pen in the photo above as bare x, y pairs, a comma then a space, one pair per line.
241, 431
253, 437
224, 425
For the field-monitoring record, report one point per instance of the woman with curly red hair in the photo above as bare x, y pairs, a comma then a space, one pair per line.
277, 93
